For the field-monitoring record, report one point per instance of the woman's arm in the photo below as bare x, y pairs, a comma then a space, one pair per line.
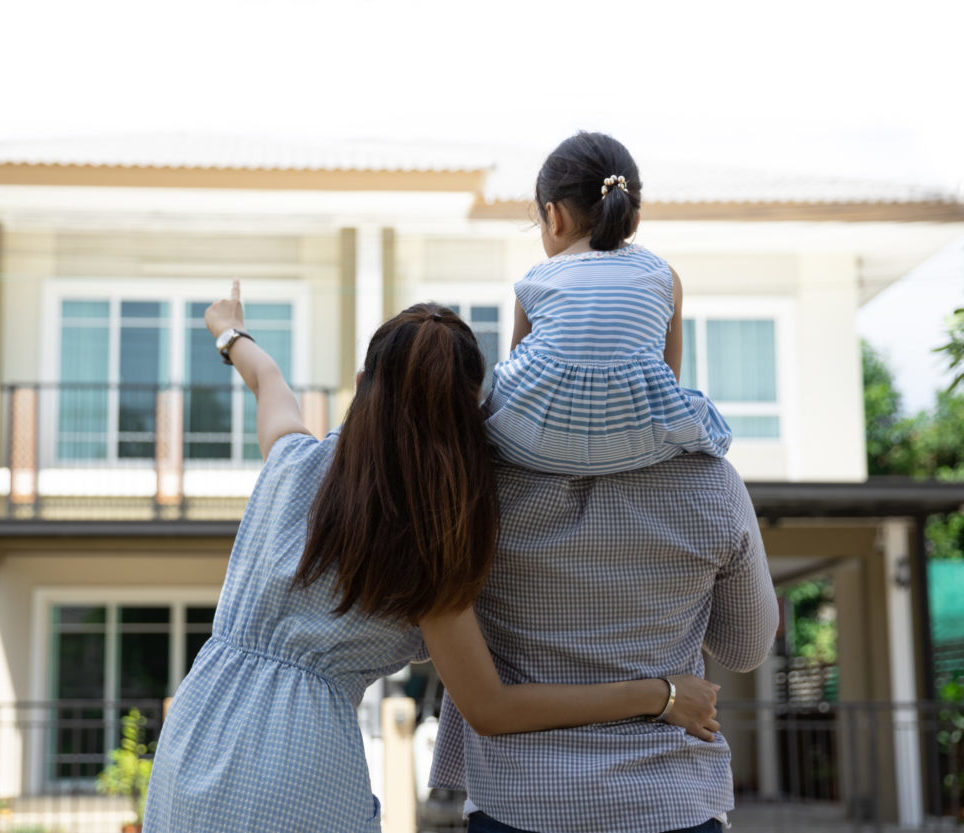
278, 411
522, 326
491, 707
673, 352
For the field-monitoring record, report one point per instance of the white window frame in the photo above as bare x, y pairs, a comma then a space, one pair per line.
779, 310
177, 598
177, 293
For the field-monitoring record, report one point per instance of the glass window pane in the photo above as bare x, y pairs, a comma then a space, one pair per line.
79, 667
266, 312
687, 376
207, 400
143, 309
741, 361
193, 642
82, 411
456, 308
78, 615
143, 665
489, 345
277, 343
755, 427
85, 309
481, 315
199, 615
142, 363
145, 615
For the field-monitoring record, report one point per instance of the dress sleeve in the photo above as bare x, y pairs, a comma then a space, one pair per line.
527, 292
744, 616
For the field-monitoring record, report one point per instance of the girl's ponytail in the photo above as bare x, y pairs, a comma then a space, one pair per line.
576, 172
407, 514
613, 219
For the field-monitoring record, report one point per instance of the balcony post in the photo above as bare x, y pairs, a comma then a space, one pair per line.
169, 447
23, 445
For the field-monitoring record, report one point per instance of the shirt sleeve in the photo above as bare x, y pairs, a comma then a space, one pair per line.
744, 615
448, 760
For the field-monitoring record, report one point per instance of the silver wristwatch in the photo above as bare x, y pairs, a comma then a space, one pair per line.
226, 339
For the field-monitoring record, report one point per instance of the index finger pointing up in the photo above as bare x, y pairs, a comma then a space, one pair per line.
235, 290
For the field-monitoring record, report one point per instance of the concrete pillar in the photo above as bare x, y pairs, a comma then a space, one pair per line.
895, 543
369, 288
767, 751
398, 727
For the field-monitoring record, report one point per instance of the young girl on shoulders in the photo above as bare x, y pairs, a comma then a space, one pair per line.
592, 383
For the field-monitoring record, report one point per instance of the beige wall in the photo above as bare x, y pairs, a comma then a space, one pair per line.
27, 259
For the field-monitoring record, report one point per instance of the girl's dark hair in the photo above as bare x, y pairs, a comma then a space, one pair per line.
407, 514
573, 174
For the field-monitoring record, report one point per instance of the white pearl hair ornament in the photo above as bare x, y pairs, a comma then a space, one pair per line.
613, 180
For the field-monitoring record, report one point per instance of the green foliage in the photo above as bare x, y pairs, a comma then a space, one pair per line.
881, 411
955, 348
813, 629
927, 446
130, 770
950, 719
931, 444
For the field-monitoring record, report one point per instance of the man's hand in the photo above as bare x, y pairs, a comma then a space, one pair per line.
695, 707
225, 314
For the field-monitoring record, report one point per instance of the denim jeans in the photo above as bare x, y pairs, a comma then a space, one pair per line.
481, 823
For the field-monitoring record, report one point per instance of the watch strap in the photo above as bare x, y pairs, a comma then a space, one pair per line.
224, 350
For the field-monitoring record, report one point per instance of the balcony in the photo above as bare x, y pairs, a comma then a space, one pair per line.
127, 452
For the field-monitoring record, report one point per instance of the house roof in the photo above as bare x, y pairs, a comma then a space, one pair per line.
232, 152
503, 174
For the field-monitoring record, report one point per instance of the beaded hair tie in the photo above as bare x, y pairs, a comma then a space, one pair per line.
610, 181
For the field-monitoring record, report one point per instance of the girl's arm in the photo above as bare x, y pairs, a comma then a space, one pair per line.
278, 411
673, 353
491, 707
522, 326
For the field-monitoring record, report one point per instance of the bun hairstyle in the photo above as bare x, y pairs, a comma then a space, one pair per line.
407, 515
575, 173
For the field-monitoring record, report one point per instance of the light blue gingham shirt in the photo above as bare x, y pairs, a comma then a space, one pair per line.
610, 578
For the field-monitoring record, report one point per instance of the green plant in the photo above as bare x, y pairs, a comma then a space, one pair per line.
130, 770
951, 728
955, 347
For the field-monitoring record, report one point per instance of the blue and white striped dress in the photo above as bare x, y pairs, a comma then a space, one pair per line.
587, 391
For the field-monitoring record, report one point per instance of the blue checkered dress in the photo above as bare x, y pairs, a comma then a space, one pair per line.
588, 391
603, 579
262, 735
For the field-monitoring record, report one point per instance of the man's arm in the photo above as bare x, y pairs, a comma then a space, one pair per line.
744, 617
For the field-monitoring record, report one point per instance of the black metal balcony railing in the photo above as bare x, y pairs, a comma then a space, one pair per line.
96, 451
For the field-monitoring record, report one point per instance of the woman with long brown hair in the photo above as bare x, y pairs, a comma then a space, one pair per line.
401, 528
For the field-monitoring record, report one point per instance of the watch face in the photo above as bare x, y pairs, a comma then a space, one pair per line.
225, 338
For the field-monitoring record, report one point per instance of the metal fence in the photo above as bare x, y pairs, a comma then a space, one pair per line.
133, 452
833, 767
